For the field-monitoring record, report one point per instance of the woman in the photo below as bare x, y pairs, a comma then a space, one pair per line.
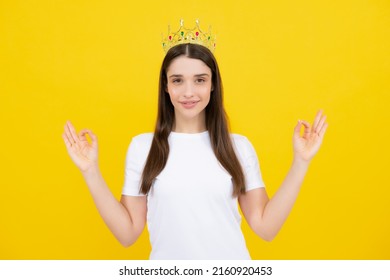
186, 178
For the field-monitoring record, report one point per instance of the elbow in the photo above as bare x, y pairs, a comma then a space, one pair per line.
263, 232
267, 235
268, 238
126, 242
126, 245
128, 237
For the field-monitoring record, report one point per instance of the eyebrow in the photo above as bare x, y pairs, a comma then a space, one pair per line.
197, 75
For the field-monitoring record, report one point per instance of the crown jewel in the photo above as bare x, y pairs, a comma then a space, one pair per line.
193, 36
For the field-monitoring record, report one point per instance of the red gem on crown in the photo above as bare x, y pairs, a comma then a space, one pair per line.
184, 35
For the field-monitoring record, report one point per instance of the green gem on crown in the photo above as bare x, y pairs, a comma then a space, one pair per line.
189, 35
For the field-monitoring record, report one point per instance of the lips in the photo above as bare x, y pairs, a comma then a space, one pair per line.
189, 104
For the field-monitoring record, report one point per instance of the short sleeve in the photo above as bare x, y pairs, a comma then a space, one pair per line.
249, 162
135, 161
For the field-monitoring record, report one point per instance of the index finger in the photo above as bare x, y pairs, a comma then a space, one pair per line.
316, 120
72, 132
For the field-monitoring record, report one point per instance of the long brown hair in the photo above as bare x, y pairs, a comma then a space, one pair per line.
216, 122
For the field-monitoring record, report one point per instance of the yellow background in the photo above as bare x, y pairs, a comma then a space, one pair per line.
96, 63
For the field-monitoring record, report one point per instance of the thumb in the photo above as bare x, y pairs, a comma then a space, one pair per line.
93, 138
297, 129
91, 135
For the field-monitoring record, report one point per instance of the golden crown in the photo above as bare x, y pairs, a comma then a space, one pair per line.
193, 36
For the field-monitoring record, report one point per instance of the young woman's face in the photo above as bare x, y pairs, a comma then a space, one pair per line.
189, 85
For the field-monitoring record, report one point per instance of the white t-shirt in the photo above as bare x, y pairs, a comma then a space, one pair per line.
191, 211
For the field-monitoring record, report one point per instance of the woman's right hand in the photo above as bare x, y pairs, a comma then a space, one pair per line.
83, 153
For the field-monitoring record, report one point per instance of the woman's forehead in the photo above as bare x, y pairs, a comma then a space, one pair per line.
186, 66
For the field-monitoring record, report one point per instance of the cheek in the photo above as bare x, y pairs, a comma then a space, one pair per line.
172, 93
206, 94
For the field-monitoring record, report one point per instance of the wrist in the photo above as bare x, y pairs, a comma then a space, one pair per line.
301, 163
91, 171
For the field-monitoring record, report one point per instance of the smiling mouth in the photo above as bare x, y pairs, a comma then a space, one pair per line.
189, 104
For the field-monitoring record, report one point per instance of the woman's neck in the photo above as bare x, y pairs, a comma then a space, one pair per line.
189, 127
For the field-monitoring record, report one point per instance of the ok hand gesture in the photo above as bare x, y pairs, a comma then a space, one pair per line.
83, 153
306, 146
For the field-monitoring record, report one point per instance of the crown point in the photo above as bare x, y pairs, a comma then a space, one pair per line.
193, 35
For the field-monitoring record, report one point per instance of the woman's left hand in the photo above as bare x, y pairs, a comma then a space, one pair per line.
306, 146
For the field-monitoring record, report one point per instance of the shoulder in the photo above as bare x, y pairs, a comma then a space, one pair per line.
242, 144
144, 138
140, 144
239, 140
238, 137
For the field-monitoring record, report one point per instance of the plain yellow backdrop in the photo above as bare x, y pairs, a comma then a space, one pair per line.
96, 63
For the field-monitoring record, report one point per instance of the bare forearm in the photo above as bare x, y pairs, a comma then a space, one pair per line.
266, 216
278, 208
111, 210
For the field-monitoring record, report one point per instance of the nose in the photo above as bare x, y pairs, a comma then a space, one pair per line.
188, 90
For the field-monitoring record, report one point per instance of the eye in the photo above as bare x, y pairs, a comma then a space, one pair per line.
176, 81
200, 81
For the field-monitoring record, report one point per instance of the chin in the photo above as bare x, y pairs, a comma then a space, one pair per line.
191, 115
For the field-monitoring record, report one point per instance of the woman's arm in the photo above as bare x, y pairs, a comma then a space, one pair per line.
266, 216
126, 219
